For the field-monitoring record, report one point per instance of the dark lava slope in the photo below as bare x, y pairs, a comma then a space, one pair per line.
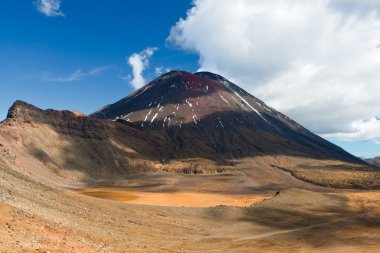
204, 114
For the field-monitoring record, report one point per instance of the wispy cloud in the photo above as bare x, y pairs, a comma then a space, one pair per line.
368, 130
76, 75
161, 70
138, 63
50, 8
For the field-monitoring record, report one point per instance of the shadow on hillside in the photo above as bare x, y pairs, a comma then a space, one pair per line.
103, 148
243, 135
316, 221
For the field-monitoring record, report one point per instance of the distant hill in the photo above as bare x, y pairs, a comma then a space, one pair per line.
374, 161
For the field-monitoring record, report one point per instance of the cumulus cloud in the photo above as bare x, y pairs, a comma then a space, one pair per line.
76, 75
317, 61
138, 63
50, 8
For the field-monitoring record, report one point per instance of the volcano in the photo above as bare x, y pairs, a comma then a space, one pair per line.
182, 141
204, 114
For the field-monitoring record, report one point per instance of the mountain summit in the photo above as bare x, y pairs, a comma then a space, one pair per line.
179, 98
204, 113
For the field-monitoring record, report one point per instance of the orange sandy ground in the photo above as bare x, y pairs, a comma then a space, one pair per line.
173, 198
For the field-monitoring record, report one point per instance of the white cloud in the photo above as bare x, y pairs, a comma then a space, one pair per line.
76, 75
317, 61
138, 63
50, 8
159, 70
368, 130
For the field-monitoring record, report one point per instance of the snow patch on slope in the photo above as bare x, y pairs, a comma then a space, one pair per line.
245, 101
224, 99
146, 117
188, 103
154, 117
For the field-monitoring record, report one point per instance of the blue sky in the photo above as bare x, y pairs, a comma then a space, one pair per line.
78, 55
91, 35
363, 149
